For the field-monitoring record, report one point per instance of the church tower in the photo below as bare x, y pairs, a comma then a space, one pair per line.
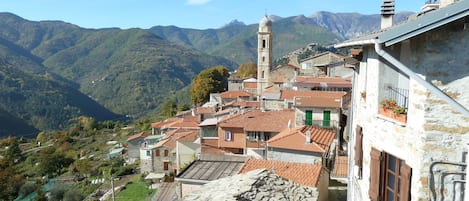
264, 55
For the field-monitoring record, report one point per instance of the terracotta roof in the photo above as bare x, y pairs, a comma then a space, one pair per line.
291, 94
256, 120
295, 139
301, 173
205, 110
166, 123
309, 81
340, 166
133, 137
234, 94
318, 102
250, 85
210, 149
247, 104
179, 135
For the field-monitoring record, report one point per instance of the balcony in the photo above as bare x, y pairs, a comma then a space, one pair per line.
322, 123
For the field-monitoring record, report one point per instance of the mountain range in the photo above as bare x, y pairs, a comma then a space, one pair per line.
52, 71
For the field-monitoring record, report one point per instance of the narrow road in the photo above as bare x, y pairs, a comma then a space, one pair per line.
167, 192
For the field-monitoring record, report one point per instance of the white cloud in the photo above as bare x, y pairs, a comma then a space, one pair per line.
197, 2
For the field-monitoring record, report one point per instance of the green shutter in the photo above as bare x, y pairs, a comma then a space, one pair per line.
309, 117
326, 120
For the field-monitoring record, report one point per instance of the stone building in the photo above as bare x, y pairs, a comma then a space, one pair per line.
325, 64
418, 70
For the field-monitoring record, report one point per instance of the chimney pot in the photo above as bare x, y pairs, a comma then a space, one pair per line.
387, 13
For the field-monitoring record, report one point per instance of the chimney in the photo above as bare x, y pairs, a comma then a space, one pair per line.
308, 137
387, 13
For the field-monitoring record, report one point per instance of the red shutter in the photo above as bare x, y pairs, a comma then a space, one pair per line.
406, 172
375, 174
358, 147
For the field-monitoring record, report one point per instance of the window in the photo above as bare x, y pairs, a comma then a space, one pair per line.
263, 43
263, 59
228, 136
157, 152
262, 75
389, 177
166, 166
255, 136
359, 150
148, 152
165, 152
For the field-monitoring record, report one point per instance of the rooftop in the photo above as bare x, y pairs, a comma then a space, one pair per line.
309, 81
412, 27
138, 135
325, 102
201, 171
295, 139
291, 94
300, 173
256, 120
234, 94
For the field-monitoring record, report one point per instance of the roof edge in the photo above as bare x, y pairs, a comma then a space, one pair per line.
355, 43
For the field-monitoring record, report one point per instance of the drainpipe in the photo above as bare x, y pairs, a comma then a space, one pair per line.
432, 88
351, 136
432, 177
466, 194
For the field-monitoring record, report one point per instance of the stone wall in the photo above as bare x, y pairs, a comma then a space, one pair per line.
256, 185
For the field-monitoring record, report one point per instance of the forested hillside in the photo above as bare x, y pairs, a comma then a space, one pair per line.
129, 72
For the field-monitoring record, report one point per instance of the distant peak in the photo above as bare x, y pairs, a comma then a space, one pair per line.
234, 23
275, 18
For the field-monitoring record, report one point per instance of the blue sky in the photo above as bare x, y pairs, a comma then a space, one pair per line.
198, 14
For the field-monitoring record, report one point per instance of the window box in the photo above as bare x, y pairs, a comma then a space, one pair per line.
393, 114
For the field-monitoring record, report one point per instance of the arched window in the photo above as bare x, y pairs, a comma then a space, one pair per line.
263, 43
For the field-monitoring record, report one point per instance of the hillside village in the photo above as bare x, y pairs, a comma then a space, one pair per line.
389, 121
307, 125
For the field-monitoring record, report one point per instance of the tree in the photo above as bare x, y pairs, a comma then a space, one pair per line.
247, 70
52, 162
211, 80
14, 152
169, 108
10, 180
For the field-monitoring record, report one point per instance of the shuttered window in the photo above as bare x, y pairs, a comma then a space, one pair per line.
359, 149
375, 175
390, 177
406, 172
157, 152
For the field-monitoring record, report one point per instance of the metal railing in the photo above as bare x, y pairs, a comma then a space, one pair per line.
400, 95
321, 123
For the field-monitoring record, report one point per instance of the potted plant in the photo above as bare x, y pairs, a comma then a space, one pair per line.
390, 109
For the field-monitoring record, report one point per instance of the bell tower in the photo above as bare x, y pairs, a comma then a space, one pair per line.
264, 55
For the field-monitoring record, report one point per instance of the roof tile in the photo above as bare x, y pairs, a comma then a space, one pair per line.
301, 173
295, 139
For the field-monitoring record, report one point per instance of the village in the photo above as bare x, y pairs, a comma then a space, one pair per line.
387, 122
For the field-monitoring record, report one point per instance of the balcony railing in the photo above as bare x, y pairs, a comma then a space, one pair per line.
400, 95
321, 123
